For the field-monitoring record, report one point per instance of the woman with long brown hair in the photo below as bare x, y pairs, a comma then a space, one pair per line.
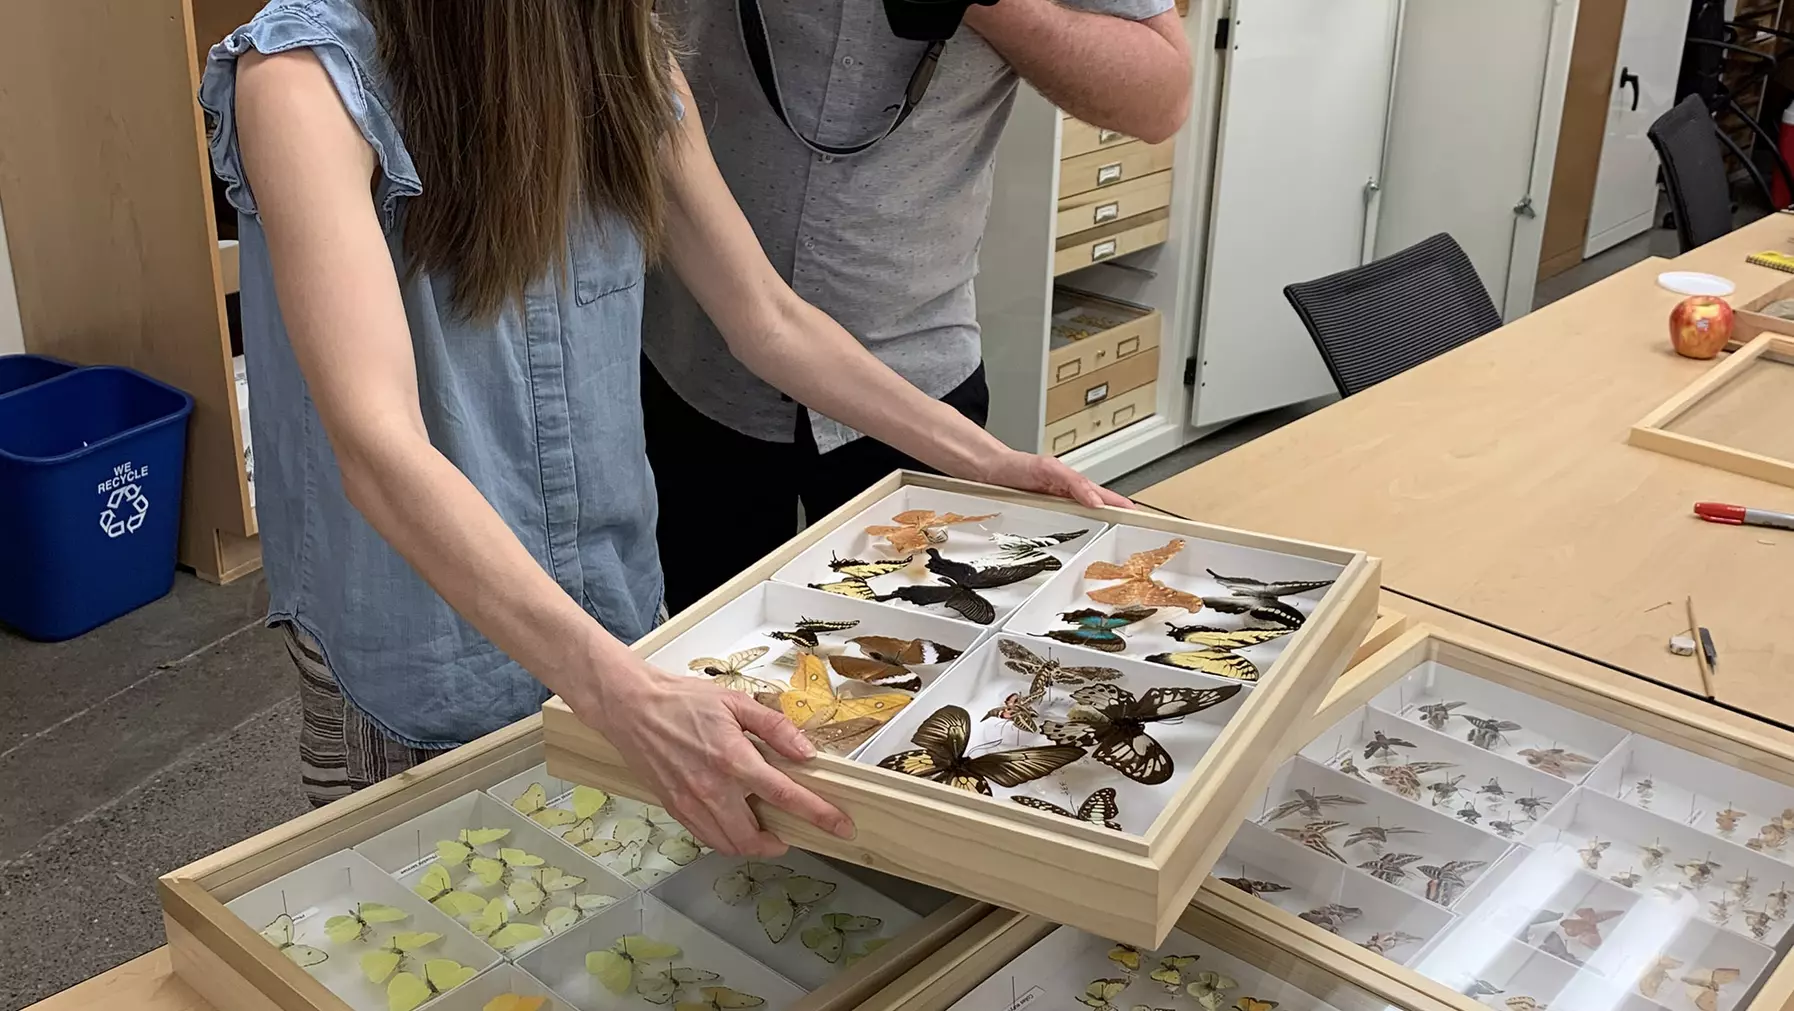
446, 206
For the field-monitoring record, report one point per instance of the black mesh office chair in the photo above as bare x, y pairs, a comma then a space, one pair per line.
1377, 321
1688, 145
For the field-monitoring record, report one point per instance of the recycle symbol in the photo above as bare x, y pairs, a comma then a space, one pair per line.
133, 503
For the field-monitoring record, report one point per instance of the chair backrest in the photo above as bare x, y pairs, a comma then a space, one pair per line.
1687, 143
1377, 321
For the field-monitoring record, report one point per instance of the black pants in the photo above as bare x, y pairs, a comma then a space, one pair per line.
727, 499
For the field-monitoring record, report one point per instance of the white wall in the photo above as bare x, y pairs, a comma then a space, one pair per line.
12, 339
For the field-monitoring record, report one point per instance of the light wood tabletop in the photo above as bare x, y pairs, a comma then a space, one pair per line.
142, 984
1496, 481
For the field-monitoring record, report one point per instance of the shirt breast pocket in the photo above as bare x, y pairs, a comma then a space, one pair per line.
607, 259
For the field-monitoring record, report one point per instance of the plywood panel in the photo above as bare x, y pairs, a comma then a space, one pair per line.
1584, 125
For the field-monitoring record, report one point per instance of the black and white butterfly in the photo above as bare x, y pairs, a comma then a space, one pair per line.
1016, 549
856, 576
1259, 600
941, 756
959, 586
1112, 722
808, 631
1216, 654
1100, 808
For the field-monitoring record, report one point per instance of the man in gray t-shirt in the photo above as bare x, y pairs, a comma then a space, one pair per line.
884, 239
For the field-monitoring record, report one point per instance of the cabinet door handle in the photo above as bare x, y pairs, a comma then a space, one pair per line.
1627, 77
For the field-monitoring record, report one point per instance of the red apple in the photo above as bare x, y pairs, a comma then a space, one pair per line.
1700, 326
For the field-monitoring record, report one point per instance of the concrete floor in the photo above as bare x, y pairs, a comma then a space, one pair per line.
172, 733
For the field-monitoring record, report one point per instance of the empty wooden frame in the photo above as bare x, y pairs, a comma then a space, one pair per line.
1654, 432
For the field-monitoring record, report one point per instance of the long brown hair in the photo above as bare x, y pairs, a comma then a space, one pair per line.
516, 113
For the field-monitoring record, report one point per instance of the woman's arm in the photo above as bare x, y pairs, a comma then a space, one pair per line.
799, 349
310, 170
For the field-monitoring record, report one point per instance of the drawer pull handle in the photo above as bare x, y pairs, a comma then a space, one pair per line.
1065, 441
1096, 394
1069, 370
1110, 173
1127, 347
1123, 415
1105, 135
1107, 212
1102, 250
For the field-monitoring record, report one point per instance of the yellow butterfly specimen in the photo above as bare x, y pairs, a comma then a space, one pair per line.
680, 848
1254, 1004
280, 934
812, 700
1101, 992
408, 991
720, 998
731, 671
1137, 587
1127, 956
560, 918
1170, 972
533, 804
856, 576
585, 836
494, 926
745, 882
530, 889
916, 529
589, 802
378, 965
465, 847
798, 893
1210, 989
829, 941
359, 925
1703, 987
662, 986
1654, 977
615, 966
870, 945
515, 1002
438, 889
492, 870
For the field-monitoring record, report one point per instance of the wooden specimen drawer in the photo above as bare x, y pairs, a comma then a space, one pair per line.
1113, 166
1090, 332
918, 818
1123, 200
1078, 137
1129, 235
1112, 415
1097, 388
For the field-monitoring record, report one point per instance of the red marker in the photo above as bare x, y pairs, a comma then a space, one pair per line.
1719, 512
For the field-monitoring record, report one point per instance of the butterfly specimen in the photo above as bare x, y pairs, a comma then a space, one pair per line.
1390, 867
1332, 916
1254, 887
1170, 972
1492, 788
1099, 808
1481, 988
1585, 925
1382, 746
1772, 836
1539, 919
1044, 673
1435, 714
812, 700
1100, 992
464, 847
1254, 1004
1555, 761
1720, 910
680, 848
915, 529
1698, 872
494, 926
855, 581
720, 998
1554, 945
1219, 662
514, 1002
1445, 881
1218, 638
1524, 1003
379, 965
1703, 987
1209, 989
1531, 806
941, 757
876, 672
560, 918
408, 991
797, 893
1627, 878
616, 966
1445, 789
1487, 733
359, 925
1653, 978
841, 738
829, 940
585, 836
1099, 629
1758, 921
530, 890
1137, 587
1405, 779
867, 947
1743, 885
1314, 836
661, 986
809, 631
1018, 549
731, 671
280, 934
1727, 820
1645, 790
1776, 902
959, 585
1592, 853
1259, 600
533, 804
1111, 722
1653, 855
1127, 956
1350, 768
1310, 804
906, 652
438, 889
1468, 814
1378, 835
1387, 941
746, 881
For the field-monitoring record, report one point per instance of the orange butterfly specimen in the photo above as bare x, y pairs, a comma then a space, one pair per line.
1703, 986
1137, 586
918, 528
1254, 1004
812, 703
1585, 925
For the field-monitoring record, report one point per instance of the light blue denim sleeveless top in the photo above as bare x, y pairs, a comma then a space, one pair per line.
540, 409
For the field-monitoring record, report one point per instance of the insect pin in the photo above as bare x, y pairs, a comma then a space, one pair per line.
1743, 885
1591, 854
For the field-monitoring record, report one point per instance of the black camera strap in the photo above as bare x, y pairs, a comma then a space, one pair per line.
759, 50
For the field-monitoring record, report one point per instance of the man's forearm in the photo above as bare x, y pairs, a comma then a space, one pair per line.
1132, 76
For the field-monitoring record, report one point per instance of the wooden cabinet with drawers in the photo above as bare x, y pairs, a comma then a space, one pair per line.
1105, 242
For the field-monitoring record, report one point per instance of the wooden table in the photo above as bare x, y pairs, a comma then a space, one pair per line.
1496, 481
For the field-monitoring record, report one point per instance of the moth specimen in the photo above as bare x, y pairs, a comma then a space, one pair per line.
1584, 926
1645, 789
1111, 722
1261, 601
1531, 806
1555, 761
1626, 879
1314, 836
1592, 853
1445, 881
1387, 941
1553, 944
1350, 768
494, 926
1743, 885
1021, 710
1727, 821
747, 881
1219, 638
438, 889
1445, 789
1758, 921
1136, 586
1653, 855
842, 737
1435, 714
1100, 808
867, 670
663, 985
1703, 987
809, 631
1720, 910
1127, 956
1254, 1004
1653, 978
941, 757
1773, 835
959, 585
1525, 1003
812, 701
1099, 630
1311, 804
1488, 733
1698, 872
915, 529
1390, 867
1255, 887
1776, 902
1378, 835
1492, 788
856, 577
1044, 673
1018, 549
358, 924
1468, 814
1505, 829
1481, 988
1382, 746
731, 671
1405, 779
1332, 916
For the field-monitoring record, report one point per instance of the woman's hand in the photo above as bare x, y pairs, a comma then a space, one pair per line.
686, 739
1047, 475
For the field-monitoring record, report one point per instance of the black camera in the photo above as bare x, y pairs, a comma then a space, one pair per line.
927, 20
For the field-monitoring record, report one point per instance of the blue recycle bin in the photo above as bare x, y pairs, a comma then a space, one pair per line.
20, 371
90, 496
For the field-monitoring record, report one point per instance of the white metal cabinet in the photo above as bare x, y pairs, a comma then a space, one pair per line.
1644, 87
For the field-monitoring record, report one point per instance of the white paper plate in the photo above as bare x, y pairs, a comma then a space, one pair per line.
1693, 282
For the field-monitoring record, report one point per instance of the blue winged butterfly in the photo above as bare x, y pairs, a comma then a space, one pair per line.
1097, 629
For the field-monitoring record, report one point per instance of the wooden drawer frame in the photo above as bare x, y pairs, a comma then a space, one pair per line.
1113, 166
1083, 426
1094, 389
1129, 887
1129, 235
1639, 713
1123, 200
229, 964
1653, 431
1081, 357
1077, 137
